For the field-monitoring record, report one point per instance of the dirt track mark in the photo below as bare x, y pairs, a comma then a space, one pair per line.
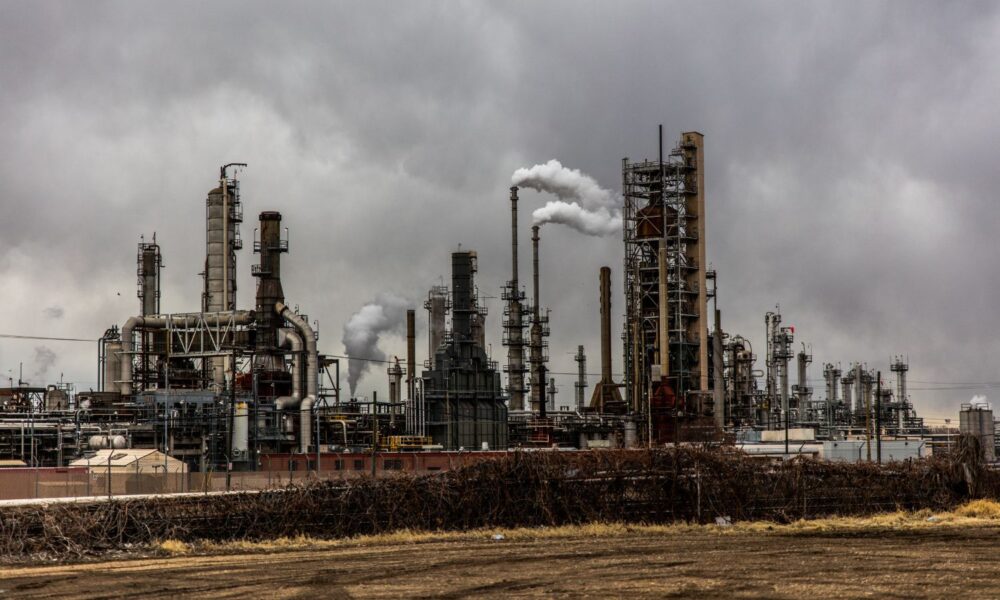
908, 564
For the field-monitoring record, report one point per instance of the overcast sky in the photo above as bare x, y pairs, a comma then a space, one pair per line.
850, 170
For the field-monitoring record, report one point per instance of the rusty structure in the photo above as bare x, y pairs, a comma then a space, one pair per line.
606, 397
666, 345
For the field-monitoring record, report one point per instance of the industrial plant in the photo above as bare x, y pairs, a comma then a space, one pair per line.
244, 386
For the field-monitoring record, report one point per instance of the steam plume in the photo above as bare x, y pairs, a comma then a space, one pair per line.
44, 359
385, 314
583, 204
979, 401
593, 222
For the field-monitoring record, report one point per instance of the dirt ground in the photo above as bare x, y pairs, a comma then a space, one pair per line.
702, 563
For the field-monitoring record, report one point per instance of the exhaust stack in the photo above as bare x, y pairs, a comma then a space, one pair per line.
411, 369
606, 393
538, 332
513, 319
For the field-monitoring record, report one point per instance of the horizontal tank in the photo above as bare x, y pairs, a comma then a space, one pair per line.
102, 442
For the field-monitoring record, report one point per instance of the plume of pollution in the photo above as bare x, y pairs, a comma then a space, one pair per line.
979, 401
385, 314
54, 312
583, 204
44, 359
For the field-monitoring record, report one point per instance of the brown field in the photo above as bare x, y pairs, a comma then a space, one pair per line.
889, 556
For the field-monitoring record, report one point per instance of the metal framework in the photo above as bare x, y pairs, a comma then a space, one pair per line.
664, 239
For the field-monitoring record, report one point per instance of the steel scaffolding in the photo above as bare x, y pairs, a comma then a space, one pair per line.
664, 210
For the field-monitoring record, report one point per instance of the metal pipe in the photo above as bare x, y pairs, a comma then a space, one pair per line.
312, 373
288, 338
664, 332
240, 317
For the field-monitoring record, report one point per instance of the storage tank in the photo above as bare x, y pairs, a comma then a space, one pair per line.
631, 439
241, 430
56, 399
102, 442
976, 419
112, 366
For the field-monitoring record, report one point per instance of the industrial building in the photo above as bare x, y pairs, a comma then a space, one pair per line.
225, 387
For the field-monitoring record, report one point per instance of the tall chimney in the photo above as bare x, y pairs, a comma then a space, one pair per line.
605, 323
513, 321
411, 368
537, 383
606, 392
581, 376
270, 246
513, 235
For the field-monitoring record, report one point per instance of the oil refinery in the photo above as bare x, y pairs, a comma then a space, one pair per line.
228, 386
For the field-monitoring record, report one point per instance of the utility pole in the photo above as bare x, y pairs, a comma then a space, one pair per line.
868, 416
374, 429
878, 416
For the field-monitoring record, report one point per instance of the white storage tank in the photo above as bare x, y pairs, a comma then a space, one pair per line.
103, 442
241, 431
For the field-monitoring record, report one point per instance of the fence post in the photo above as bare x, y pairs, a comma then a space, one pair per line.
697, 483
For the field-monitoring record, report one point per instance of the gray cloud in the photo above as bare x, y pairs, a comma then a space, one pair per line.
850, 151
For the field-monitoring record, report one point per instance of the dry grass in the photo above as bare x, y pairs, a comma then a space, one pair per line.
173, 547
981, 509
972, 514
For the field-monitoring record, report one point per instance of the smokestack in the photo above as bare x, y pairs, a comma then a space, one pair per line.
537, 382
605, 323
270, 246
513, 235
606, 392
581, 376
411, 352
513, 322
534, 268
411, 368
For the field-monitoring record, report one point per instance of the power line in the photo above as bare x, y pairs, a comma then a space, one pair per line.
39, 337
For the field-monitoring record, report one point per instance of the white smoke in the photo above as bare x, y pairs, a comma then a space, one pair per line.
385, 314
979, 401
583, 204
595, 222
43, 361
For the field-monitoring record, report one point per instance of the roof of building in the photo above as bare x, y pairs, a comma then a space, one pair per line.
117, 458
